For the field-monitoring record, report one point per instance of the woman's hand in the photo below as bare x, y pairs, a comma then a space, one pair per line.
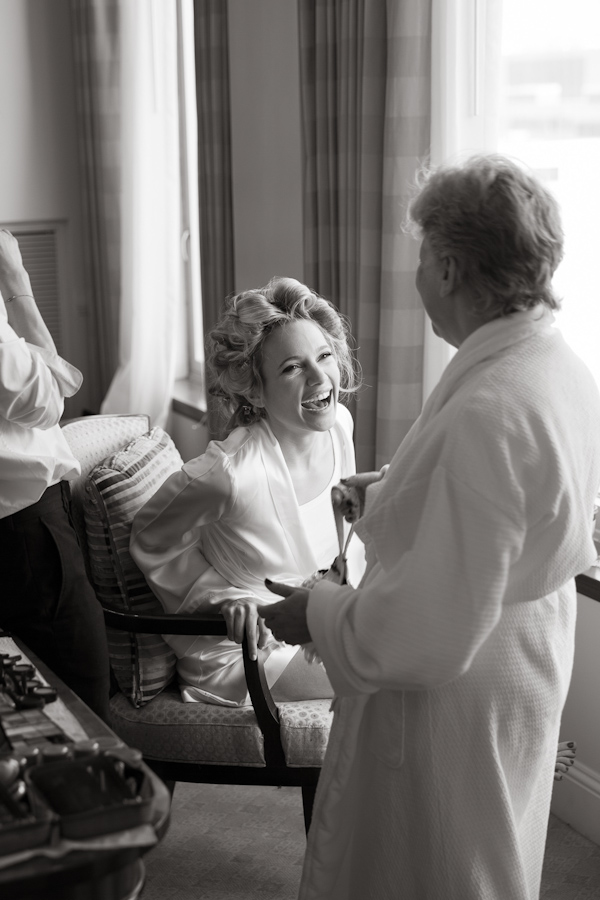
350, 494
287, 619
241, 616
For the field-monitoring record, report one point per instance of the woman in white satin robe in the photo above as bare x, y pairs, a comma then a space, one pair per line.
257, 504
451, 661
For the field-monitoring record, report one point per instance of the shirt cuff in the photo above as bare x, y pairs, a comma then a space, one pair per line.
68, 377
7, 333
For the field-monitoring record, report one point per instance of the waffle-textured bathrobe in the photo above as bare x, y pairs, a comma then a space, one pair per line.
451, 662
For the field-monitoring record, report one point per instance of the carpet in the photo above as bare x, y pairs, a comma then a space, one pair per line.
229, 842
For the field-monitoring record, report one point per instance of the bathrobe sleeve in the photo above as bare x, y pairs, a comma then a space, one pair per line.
421, 615
165, 537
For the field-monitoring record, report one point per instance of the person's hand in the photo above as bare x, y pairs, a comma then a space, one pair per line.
287, 619
241, 616
350, 494
13, 277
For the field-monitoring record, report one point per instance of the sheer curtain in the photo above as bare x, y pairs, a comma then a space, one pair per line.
465, 90
138, 135
365, 96
151, 262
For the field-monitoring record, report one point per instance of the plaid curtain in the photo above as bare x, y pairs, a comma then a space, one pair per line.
365, 95
95, 28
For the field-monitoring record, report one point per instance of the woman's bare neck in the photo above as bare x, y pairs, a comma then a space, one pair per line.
310, 462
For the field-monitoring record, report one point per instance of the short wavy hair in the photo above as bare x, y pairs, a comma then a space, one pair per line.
499, 223
234, 346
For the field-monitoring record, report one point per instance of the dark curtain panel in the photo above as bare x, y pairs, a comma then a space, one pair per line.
214, 156
95, 25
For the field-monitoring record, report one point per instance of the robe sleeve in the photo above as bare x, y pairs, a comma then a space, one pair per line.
165, 536
418, 621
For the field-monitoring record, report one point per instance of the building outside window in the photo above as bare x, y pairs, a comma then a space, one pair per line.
550, 120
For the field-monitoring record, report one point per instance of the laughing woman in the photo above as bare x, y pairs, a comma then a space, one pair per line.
257, 504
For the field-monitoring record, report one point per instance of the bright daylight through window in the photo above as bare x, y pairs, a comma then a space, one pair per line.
550, 119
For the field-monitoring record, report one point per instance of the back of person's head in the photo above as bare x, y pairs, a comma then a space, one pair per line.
234, 345
500, 224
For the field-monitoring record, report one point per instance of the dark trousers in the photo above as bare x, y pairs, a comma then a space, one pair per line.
47, 600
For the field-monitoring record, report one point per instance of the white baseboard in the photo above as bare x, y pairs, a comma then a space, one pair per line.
576, 801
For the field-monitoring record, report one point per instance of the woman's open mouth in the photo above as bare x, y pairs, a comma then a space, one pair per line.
318, 401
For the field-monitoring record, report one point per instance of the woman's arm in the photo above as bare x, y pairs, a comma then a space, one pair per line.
165, 543
34, 380
165, 534
22, 313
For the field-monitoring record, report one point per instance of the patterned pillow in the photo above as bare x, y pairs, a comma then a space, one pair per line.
115, 490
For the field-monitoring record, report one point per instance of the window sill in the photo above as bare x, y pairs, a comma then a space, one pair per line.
189, 399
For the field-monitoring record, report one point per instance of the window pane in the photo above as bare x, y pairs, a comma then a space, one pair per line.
550, 119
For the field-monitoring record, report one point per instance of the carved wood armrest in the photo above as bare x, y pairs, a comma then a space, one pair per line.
265, 707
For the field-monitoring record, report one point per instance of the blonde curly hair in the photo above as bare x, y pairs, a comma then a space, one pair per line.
234, 345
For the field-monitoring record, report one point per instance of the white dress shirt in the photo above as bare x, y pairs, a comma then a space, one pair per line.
33, 452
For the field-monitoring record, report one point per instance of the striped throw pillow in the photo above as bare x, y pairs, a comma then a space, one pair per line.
143, 664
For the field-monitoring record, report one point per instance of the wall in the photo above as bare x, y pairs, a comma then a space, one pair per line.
266, 138
190, 435
39, 153
576, 799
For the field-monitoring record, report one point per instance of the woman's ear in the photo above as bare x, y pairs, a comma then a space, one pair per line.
256, 400
450, 276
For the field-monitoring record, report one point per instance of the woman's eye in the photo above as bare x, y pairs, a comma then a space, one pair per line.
290, 367
327, 355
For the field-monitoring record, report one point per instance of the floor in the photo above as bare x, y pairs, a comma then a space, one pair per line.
572, 865
247, 843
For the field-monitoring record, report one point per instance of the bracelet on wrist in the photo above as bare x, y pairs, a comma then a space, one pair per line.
16, 297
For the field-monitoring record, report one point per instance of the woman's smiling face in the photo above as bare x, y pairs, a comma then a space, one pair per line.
301, 379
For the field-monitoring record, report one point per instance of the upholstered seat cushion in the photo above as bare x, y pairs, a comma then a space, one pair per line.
116, 489
305, 727
169, 729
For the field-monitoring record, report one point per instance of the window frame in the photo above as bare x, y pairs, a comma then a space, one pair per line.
190, 217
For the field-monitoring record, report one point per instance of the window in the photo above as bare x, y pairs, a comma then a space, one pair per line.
550, 119
191, 331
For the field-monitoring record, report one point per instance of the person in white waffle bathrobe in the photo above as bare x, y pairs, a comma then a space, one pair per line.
451, 661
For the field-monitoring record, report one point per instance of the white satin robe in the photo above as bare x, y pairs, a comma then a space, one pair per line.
214, 531
451, 662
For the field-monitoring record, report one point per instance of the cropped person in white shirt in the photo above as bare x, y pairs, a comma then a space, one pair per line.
47, 600
257, 504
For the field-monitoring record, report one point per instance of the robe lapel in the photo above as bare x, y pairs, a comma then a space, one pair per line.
284, 499
490, 339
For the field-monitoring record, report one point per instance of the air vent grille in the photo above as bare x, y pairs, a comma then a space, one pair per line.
39, 249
